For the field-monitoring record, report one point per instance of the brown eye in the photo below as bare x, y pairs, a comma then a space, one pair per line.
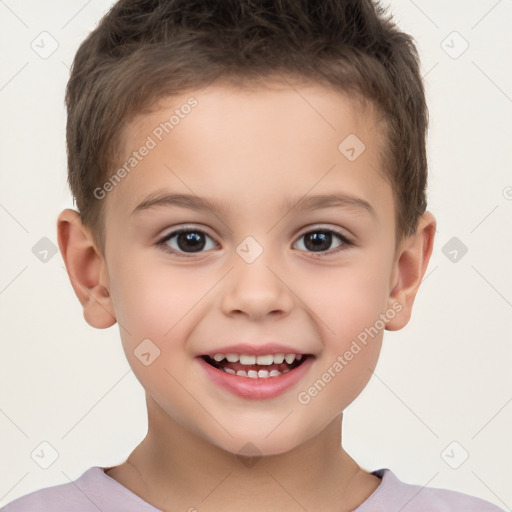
185, 241
320, 240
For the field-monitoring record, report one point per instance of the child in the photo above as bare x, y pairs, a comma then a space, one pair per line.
287, 139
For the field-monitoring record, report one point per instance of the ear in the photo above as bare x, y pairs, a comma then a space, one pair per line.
409, 268
86, 269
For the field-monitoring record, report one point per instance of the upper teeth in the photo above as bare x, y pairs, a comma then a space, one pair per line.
264, 360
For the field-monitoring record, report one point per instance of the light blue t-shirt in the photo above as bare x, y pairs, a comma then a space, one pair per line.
95, 491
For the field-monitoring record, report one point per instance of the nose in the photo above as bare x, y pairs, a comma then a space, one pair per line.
257, 289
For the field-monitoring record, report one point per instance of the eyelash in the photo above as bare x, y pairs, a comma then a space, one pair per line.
162, 243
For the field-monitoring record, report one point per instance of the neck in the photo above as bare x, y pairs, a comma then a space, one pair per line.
173, 468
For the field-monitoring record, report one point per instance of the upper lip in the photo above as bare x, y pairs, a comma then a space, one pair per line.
256, 350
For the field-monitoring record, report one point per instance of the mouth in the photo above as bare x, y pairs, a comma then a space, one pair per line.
256, 367
256, 376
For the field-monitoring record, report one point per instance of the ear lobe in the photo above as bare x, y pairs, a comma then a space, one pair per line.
86, 269
410, 267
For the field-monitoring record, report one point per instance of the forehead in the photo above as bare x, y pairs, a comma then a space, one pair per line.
253, 144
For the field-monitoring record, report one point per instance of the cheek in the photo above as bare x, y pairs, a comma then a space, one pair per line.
348, 299
340, 380
150, 300
152, 303
348, 304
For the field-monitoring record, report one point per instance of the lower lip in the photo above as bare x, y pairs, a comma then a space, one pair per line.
260, 388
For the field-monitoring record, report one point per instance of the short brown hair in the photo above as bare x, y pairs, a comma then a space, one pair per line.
145, 50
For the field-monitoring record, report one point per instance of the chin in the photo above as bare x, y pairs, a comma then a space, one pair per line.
253, 444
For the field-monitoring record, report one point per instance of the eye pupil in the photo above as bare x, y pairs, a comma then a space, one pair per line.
194, 241
189, 238
321, 240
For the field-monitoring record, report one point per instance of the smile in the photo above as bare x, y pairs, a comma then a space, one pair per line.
255, 367
256, 377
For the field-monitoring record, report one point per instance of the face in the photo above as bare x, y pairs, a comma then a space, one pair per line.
313, 278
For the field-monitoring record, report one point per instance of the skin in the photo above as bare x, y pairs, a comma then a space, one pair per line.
251, 149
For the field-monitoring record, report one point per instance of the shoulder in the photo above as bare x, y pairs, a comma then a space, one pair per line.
394, 495
70, 494
43, 500
91, 492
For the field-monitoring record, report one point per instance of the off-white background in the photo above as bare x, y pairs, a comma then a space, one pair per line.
446, 377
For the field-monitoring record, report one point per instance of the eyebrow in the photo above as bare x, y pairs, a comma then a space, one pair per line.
193, 202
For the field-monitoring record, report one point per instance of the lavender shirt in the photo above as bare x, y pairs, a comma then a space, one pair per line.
95, 491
